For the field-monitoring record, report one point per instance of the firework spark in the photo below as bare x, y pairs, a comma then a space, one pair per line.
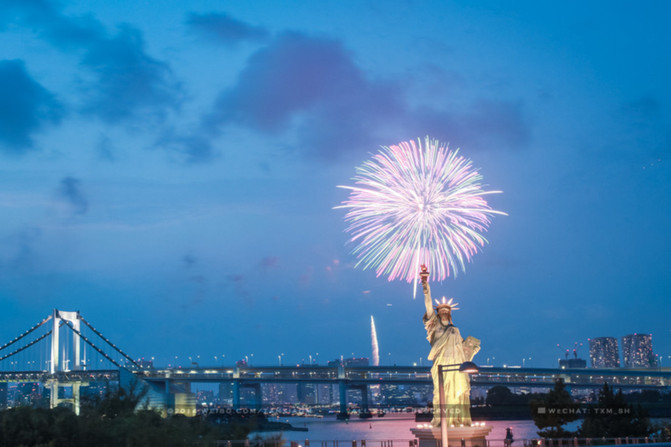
374, 345
415, 204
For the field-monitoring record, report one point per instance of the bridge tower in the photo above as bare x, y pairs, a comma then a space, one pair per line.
75, 319
58, 317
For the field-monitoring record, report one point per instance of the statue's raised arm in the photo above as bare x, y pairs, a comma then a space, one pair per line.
424, 274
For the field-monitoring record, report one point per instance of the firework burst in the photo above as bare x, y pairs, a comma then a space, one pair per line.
415, 204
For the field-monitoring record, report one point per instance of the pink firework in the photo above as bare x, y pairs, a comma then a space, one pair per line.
415, 204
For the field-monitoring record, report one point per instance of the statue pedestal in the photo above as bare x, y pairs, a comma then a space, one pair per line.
471, 436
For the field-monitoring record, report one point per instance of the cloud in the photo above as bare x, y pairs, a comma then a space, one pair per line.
311, 87
70, 191
192, 148
17, 252
485, 124
126, 80
225, 29
105, 149
25, 107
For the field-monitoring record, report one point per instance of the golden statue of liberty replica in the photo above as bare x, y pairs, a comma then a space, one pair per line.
448, 348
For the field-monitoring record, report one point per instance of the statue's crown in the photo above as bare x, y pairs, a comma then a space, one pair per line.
445, 303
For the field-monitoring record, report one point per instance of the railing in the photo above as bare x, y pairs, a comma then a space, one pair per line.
543, 442
319, 443
575, 442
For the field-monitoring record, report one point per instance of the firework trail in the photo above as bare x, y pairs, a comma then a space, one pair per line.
373, 338
415, 204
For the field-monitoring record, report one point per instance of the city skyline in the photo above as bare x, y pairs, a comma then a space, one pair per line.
171, 171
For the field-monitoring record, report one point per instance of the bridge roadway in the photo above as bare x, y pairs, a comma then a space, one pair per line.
103, 375
412, 375
370, 375
165, 381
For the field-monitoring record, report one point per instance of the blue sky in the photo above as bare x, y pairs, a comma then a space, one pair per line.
169, 169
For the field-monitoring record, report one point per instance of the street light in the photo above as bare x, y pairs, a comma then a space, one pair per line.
467, 368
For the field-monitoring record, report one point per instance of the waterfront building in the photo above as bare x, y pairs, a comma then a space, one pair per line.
637, 351
604, 352
572, 363
357, 361
3, 395
306, 393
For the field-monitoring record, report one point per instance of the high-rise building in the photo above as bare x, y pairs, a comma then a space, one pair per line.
637, 351
572, 363
604, 352
356, 361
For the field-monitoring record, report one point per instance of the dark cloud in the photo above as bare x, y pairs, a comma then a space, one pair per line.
25, 107
192, 148
127, 81
224, 28
293, 74
70, 191
105, 150
312, 86
47, 21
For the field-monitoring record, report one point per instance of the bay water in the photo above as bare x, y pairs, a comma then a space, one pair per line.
392, 427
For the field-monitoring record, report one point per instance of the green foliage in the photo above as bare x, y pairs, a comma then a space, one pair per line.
499, 395
661, 431
613, 417
111, 422
268, 441
553, 410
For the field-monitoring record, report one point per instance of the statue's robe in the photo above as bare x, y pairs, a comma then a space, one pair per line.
448, 348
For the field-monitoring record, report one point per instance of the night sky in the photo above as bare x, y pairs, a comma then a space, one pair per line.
170, 171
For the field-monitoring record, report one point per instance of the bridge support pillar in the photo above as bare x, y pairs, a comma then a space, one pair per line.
55, 400
363, 410
75, 397
258, 398
342, 387
364, 400
236, 395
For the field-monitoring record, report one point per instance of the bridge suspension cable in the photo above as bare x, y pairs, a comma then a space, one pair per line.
40, 338
8, 344
99, 334
91, 344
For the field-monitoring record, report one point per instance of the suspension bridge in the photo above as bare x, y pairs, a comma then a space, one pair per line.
65, 353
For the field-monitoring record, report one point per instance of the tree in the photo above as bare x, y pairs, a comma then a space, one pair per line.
500, 395
553, 410
111, 422
613, 417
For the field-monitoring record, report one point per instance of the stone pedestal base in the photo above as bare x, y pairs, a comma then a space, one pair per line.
457, 436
